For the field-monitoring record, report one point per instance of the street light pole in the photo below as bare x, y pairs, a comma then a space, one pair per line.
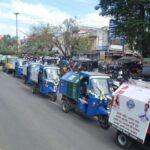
16, 14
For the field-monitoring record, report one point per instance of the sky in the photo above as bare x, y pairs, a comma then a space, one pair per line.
35, 12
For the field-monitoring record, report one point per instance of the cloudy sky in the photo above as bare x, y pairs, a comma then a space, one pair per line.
34, 12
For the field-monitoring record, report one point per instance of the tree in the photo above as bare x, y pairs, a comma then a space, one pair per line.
46, 37
69, 39
83, 44
39, 40
65, 38
133, 20
7, 43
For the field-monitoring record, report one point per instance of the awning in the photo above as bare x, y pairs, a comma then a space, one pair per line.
128, 59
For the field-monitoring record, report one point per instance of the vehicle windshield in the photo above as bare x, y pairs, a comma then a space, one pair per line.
100, 86
52, 74
20, 63
52, 61
146, 70
11, 60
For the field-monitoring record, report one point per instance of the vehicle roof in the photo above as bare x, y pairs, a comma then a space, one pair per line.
33, 63
50, 66
47, 57
147, 60
146, 65
86, 73
12, 57
84, 60
21, 59
73, 76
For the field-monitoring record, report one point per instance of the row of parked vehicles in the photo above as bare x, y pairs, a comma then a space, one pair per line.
127, 109
74, 87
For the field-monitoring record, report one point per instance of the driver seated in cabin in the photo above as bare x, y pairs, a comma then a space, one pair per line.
148, 130
84, 91
40, 76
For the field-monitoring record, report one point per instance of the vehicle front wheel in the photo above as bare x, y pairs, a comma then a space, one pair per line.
34, 90
7, 71
123, 140
53, 97
4, 69
65, 106
25, 80
14, 73
103, 121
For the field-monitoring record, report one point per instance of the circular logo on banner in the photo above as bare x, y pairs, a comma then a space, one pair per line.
130, 104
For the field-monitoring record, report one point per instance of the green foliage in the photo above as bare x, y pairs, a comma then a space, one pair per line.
70, 39
7, 44
7, 52
133, 18
82, 44
39, 40
43, 38
67, 38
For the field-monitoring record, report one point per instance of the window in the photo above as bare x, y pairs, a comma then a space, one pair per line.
52, 73
100, 86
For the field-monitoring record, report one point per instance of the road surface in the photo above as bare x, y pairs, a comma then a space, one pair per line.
33, 122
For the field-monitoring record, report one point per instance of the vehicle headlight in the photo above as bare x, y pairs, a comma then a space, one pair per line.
108, 97
109, 107
55, 87
46, 84
52, 81
93, 104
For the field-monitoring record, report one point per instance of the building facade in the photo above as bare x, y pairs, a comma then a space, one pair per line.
98, 38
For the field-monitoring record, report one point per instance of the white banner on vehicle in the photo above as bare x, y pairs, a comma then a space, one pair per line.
131, 111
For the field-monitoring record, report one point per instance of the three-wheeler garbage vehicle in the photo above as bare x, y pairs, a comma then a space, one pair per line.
18, 72
27, 71
3, 60
89, 93
50, 60
9, 64
45, 80
130, 114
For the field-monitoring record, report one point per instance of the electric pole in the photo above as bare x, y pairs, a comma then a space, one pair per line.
16, 14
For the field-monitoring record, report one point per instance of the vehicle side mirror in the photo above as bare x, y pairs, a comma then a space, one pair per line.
90, 92
111, 89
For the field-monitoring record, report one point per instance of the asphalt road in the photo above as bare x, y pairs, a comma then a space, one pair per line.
33, 122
